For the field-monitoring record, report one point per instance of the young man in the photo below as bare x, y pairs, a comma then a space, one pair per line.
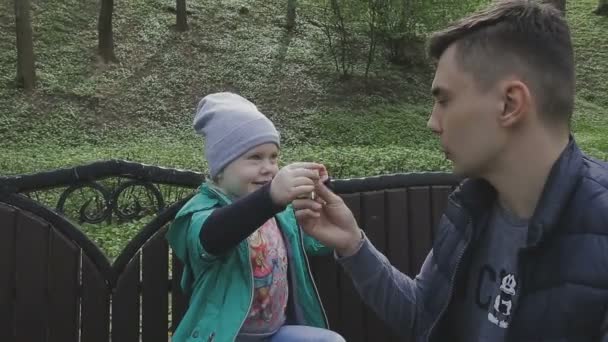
522, 249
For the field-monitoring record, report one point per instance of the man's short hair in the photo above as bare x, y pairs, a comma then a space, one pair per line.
525, 38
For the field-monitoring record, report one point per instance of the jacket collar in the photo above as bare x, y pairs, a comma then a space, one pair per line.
477, 196
559, 187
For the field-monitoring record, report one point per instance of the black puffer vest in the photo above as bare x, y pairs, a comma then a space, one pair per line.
563, 269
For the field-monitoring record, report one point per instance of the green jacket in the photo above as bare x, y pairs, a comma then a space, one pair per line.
221, 288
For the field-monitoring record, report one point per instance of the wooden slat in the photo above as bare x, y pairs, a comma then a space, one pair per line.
419, 201
398, 235
95, 304
8, 227
439, 200
326, 272
398, 229
125, 304
374, 223
155, 303
63, 282
179, 302
31, 274
352, 323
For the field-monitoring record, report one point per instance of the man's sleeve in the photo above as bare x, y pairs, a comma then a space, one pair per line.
395, 297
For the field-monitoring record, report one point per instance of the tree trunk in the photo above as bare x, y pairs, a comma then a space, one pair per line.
291, 14
181, 23
559, 4
26, 73
602, 8
105, 35
373, 14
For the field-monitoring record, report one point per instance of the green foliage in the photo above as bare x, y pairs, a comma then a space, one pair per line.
345, 136
341, 23
403, 125
351, 30
360, 161
111, 239
591, 52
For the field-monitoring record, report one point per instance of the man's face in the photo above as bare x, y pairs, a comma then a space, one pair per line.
466, 118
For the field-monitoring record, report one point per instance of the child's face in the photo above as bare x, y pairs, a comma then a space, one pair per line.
251, 171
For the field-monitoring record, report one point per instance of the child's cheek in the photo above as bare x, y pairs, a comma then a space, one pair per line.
235, 187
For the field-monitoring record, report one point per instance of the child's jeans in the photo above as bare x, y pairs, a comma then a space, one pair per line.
297, 333
301, 333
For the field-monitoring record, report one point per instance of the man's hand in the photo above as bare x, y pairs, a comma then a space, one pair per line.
295, 180
328, 219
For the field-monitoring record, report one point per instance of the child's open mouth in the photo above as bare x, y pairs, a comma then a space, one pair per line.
262, 183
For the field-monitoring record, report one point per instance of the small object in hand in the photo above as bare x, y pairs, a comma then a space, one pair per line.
305, 196
327, 182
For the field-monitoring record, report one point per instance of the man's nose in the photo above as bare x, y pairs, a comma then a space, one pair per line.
433, 124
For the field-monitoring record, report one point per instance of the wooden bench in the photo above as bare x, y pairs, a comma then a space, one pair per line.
57, 285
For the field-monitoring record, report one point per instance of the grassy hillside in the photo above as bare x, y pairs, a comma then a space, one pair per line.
141, 109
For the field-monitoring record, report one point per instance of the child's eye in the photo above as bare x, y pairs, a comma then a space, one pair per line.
255, 157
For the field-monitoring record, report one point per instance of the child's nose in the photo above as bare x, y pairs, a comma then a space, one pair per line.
268, 167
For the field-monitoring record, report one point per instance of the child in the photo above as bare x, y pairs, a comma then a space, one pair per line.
244, 256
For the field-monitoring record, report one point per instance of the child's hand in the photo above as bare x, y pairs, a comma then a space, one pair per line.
295, 180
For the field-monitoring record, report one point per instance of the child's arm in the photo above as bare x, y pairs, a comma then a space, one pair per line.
226, 227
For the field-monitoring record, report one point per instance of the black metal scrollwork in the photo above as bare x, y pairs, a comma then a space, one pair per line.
94, 200
103, 191
135, 199
95, 203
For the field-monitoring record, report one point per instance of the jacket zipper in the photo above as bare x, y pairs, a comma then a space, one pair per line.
251, 283
212, 337
447, 302
311, 277
252, 291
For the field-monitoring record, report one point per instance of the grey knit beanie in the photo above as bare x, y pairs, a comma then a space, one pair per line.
231, 126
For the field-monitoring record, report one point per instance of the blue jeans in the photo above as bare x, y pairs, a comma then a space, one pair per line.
301, 333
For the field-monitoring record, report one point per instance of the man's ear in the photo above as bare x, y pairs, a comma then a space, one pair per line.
517, 103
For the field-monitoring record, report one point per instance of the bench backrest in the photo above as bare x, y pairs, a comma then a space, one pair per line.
56, 285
